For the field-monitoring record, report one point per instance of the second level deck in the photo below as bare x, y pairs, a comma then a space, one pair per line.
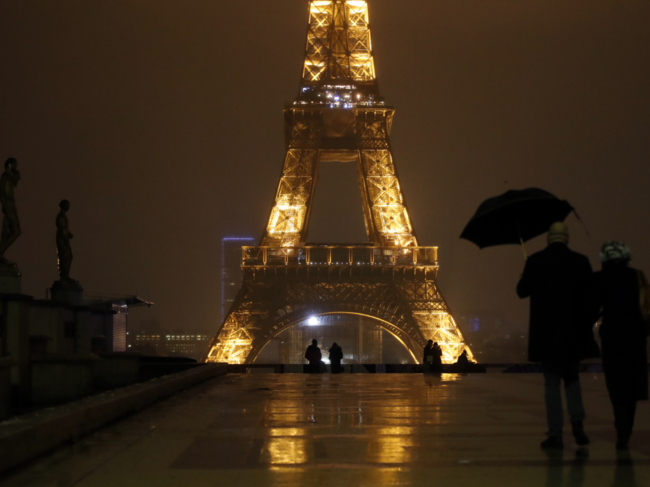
339, 255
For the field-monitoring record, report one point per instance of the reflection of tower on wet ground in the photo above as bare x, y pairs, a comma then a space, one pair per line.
363, 341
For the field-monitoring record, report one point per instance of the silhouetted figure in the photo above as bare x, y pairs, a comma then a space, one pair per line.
623, 336
314, 357
10, 223
463, 361
427, 356
336, 355
560, 332
436, 364
63, 236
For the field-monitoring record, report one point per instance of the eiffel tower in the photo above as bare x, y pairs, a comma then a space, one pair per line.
338, 116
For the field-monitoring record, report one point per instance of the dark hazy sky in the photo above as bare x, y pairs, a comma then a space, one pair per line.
161, 121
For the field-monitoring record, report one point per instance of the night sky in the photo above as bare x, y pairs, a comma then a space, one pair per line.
161, 121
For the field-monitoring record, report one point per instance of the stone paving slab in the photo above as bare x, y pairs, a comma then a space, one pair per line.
358, 430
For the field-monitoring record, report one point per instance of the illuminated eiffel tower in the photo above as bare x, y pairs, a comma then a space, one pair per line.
338, 116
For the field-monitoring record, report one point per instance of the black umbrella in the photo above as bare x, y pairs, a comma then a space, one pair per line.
515, 217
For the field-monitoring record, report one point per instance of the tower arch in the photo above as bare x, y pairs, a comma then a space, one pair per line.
299, 316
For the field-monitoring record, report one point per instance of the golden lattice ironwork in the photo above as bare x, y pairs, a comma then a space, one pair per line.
338, 42
338, 116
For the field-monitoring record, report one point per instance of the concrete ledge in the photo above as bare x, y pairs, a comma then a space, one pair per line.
25, 437
116, 369
5, 386
60, 378
350, 368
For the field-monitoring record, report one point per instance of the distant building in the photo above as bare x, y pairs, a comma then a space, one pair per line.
480, 321
148, 344
112, 336
150, 339
146, 338
186, 344
492, 337
231, 275
55, 327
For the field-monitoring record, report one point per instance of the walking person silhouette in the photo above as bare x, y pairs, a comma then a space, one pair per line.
617, 290
560, 333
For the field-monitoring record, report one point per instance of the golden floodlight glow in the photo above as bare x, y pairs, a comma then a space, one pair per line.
338, 116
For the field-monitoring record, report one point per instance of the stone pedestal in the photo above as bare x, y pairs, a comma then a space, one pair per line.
83, 331
58, 378
67, 291
15, 321
5, 387
9, 278
116, 369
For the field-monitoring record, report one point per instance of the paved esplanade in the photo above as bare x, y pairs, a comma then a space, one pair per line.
348, 430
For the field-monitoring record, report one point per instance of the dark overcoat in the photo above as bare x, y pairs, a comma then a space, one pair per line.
623, 331
313, 354
428, 352
561, 324
336, 354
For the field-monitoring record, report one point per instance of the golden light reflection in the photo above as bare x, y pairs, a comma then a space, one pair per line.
285, 451
391, 449
287, 432
396, 430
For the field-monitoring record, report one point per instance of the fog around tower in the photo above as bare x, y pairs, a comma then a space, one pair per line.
162, 123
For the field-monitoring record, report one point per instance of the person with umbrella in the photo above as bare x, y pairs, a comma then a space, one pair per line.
556, 280
560, 335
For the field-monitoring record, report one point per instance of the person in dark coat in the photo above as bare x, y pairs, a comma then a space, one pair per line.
463, 361
436, 365
336, 355
427, 356
561, 329
623, 336
314, 356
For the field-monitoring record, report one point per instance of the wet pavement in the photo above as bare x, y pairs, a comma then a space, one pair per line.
349, 430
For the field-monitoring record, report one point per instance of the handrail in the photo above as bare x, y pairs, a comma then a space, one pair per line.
339, 255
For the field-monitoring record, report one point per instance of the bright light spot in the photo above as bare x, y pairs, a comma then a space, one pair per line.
313, 321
